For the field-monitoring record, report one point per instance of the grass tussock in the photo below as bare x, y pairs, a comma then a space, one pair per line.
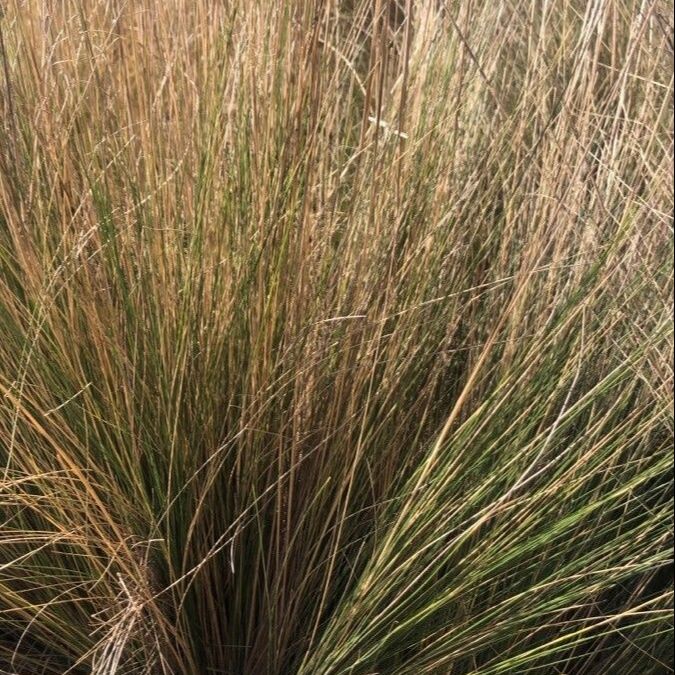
336, 337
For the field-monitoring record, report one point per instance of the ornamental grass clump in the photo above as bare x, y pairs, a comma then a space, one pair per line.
336, 337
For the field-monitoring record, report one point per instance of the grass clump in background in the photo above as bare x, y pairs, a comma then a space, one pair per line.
336, 337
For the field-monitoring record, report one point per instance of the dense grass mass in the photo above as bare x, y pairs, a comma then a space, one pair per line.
336, 337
